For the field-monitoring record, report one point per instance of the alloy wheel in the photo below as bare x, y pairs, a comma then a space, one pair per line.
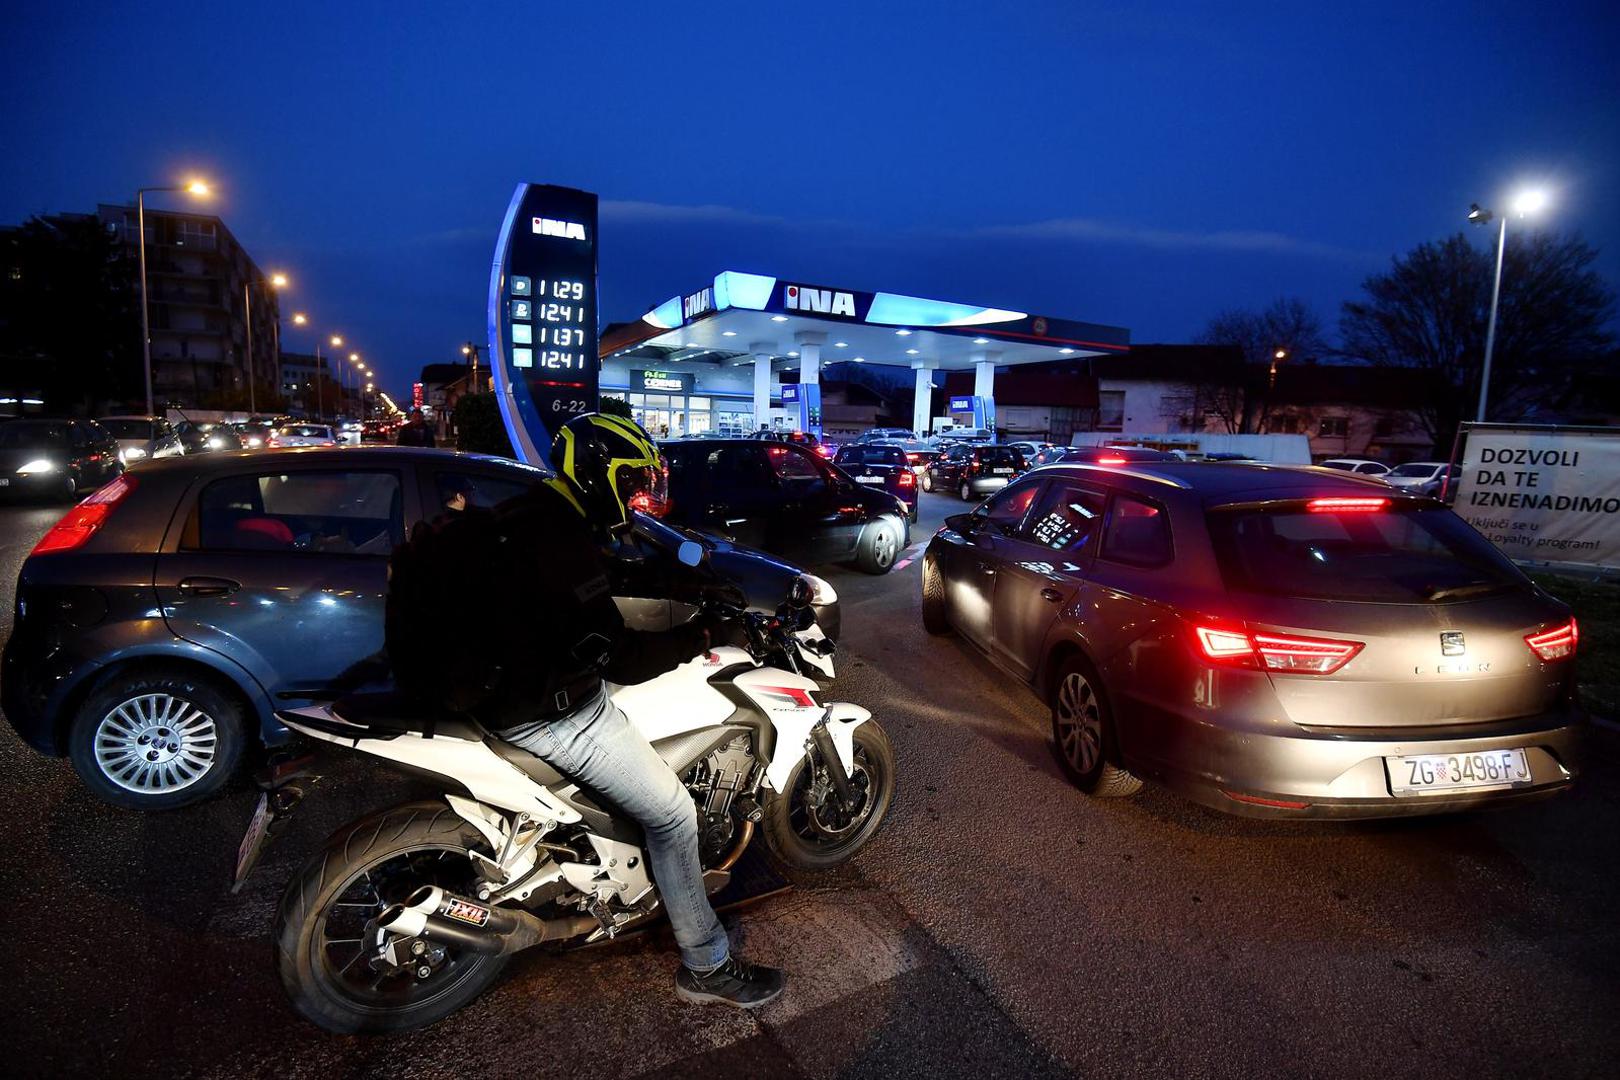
154, 744
1079, 723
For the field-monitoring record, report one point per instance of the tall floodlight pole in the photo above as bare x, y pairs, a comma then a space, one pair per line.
1526, 202
196, 187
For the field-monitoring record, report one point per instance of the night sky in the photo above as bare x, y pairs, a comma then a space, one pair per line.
1105, 162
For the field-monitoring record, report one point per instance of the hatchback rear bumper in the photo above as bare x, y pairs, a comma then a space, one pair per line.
1342, 774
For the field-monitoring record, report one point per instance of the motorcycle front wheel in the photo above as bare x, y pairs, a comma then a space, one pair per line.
323, 943
809, 829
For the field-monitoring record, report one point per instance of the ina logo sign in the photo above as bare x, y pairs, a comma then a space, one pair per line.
819, 301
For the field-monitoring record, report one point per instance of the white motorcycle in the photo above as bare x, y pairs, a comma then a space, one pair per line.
409, 914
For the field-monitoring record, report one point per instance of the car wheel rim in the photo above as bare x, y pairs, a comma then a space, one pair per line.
967, 492
1079, 723
155, 744
883, 547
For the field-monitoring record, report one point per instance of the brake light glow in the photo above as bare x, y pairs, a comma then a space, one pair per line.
1351, 504
1110, 461
824, 451
80, 523
912, 458
1235, 647
1555, 644
907, 478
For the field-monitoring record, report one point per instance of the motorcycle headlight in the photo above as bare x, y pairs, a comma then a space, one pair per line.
821, 591
38, 465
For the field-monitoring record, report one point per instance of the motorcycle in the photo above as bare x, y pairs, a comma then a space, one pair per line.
409, 914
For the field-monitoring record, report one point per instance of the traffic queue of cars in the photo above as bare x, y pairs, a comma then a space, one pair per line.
1266, 640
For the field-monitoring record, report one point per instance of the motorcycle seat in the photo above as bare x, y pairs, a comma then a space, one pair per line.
389, 712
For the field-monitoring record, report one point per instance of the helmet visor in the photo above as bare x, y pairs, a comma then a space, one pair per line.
646, 489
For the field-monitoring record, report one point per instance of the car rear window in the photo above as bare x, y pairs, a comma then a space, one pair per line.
24, 434
307, 431
319, 512
1420, 555
128, 429
996, 456
885, 455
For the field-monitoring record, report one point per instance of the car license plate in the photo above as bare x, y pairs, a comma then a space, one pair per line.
1002, 472
1425, 774
253, 840
869, 480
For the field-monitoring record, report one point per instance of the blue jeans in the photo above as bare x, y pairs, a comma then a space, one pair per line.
598, 746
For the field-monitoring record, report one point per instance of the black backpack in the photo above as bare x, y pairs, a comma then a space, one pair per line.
447, 623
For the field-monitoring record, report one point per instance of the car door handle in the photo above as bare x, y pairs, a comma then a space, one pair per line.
208, 586
1051, 594
987, 570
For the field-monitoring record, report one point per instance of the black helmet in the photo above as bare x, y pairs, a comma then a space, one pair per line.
611, 467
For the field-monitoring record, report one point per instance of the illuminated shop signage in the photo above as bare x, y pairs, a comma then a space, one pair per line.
543, 314
663, 382
699, 303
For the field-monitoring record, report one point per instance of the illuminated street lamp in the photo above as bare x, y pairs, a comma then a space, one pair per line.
194, 187
274, 281
1528, 201
1276, 358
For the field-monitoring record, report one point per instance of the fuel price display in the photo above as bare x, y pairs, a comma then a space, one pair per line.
543, 314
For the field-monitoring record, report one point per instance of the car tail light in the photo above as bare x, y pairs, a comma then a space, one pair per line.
1555, 644
824, 451
908, 478
1291, 653
912, 458
80, 523
1110, 461
1353, 504
272, 441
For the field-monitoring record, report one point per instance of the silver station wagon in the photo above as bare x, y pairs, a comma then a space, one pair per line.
1279, 641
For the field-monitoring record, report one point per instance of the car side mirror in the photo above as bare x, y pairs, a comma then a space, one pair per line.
966, 524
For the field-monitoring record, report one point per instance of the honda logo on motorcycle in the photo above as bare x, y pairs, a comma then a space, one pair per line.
1451, 643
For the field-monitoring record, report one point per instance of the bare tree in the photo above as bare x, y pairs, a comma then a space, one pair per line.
1241, 399
1429, 311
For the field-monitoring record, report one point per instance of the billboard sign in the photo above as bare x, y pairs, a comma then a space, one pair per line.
1544, 494
543, 314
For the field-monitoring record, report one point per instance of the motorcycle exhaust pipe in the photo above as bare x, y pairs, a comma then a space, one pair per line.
432, 913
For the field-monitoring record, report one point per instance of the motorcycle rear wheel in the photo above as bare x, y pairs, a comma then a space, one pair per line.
321, 945
805, 837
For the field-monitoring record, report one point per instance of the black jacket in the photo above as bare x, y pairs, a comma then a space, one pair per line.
416, 433
558, 629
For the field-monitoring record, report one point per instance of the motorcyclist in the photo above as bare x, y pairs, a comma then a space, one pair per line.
552, 701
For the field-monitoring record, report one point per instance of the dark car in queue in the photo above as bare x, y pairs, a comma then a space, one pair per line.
973, 470
62, 459
201, 437
882, 467
785, 499
1264, 640
160, 622
919, 454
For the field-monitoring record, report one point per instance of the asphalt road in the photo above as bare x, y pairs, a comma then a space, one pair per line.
1001, 925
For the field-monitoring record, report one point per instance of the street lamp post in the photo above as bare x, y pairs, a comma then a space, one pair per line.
196, 187
275, 281
1526, 202
471, 351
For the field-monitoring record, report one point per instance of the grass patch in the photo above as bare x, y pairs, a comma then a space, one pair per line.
1597, 608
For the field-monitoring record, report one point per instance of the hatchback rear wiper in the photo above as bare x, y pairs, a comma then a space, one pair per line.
1479, 588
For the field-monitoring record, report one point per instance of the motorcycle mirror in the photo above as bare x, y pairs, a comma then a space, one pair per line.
690, 553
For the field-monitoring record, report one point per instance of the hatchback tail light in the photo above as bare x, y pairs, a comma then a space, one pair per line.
907, 478
80, 523
1236, 646
272, 441
1110, 461
1555, 644
1353, 505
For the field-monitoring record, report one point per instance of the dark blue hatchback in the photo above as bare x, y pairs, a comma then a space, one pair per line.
162, 621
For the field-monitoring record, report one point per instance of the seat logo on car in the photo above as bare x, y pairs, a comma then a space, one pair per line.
1451, 643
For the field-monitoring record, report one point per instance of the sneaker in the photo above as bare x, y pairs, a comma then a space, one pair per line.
736, 983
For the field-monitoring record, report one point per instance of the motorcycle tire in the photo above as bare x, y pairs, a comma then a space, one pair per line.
795, 836
421, 834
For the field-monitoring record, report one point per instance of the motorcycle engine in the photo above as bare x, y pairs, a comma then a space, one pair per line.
714, 782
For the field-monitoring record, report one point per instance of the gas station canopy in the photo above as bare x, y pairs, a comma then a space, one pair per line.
794, 324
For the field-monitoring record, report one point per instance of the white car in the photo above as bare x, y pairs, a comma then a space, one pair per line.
349, 432
142, 437
1359, 466
302, 435
1415, 474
